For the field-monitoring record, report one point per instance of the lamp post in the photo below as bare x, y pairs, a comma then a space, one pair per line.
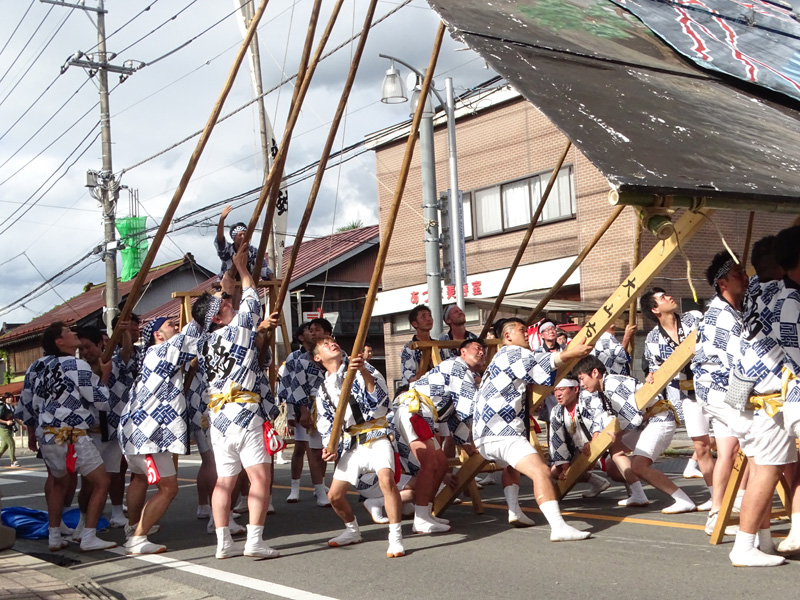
393, 93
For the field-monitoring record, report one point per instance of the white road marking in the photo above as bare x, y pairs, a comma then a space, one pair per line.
274, 589
4, 481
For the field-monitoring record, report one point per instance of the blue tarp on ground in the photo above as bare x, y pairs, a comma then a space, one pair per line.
31, 524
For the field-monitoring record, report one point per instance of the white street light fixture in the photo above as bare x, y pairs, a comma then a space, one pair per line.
393, 91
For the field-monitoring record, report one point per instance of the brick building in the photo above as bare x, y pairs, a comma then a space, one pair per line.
506, 152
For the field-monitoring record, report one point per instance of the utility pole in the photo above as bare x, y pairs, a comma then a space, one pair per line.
103, 186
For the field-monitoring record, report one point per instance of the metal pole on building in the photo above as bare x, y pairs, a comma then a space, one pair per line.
456, 208
430, 209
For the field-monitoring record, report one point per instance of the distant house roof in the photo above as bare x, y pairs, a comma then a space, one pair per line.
318, 255
90, 301
315, 257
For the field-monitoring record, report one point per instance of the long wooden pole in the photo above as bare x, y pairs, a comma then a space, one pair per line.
524, 243
184, 182
377, 274
575, 264
272, 187
326, 153
748, 238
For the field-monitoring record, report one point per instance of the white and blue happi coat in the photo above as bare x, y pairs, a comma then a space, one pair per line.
500, 406
225, 252
119, 385
25, 407
612, 354
158, 416
362, 406
300, 379
448, 337
719, 336
63, 391
658, 347
568, 433
618, 399
230, 356
451, 387
409, 362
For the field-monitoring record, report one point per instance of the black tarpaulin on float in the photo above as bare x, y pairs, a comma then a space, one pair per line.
649, 120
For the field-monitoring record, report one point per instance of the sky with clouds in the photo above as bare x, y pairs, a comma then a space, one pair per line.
48, 220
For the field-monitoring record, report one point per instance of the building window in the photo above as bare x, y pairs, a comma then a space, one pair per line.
509, 206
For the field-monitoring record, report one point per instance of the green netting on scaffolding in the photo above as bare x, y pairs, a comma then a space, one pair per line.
134, 245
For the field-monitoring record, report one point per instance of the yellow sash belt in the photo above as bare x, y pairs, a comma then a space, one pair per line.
660, 407
772, 403
414, 400
360, 430
235, 394
65, 435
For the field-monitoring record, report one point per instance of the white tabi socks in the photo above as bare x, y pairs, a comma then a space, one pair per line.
559, 530
321, 494
294, 492
745, 553
90, 541
255, 546
792, 542
516, 517
54, 540
637, 497
707, 504
226, 548
425, 522
374, 507
76, 535
682, 504
396, 549
598, 484
118, 518
351, 535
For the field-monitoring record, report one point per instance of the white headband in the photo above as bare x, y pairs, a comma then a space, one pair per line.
567, 382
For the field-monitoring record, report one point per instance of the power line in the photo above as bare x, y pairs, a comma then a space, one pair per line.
152, 31
33, 62
131, 20
30, 39
13, 33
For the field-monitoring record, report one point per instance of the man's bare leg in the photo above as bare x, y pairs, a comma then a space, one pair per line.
338, 497
257, 505
516, 517
792, 542
298, 457
98, 481
619, 456
55, 490
394, 511
317, 468
727, 450
428, 479
206, 480
756, 507
642, 467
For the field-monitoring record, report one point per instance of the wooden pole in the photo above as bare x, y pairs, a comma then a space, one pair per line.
748, 238
326, 153
637, 255
184, 182
377, 274
575, 264
524, 244
269, 193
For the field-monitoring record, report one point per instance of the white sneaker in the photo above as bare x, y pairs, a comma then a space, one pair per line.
204, 511
753, 557
567, 533
374, 506
260, 550
632, 501
345, 539
396, 549
711, 523
129, 530
141, 545
15, 463
598, 485
422, 526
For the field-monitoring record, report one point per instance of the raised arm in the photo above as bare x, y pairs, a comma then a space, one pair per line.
221, 225
240, 262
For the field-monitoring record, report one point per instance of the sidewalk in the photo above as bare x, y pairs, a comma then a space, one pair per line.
22, 577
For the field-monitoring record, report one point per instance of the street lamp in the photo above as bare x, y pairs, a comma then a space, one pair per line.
392, 94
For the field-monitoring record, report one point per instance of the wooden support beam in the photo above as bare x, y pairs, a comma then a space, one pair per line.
748, 239
637, 255
166, 221
661, 378
380, 261
464, 475
524, 243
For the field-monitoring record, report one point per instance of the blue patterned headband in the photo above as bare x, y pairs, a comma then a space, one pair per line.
723, 270
212, 311
237, 230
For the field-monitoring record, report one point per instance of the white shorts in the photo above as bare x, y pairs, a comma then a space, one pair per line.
87, 457
651, 441
314, 439
721, 416
506, 450
402, 422
200, 437
365, 458
697, 422
763, 439
242, 449
164, 463
110, 451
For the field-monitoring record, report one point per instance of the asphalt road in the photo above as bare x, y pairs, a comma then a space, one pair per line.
634, 553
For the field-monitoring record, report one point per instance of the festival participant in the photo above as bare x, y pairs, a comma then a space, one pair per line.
768, 367
296, 388
365, 445
719, 335
226, 250
421, 320
613, 354
58, 411
501, 419
237, 409
572, 428
456, 320
670, 330
431, 402
7, 425
647, 434
561, 338
154, 426
104, 433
